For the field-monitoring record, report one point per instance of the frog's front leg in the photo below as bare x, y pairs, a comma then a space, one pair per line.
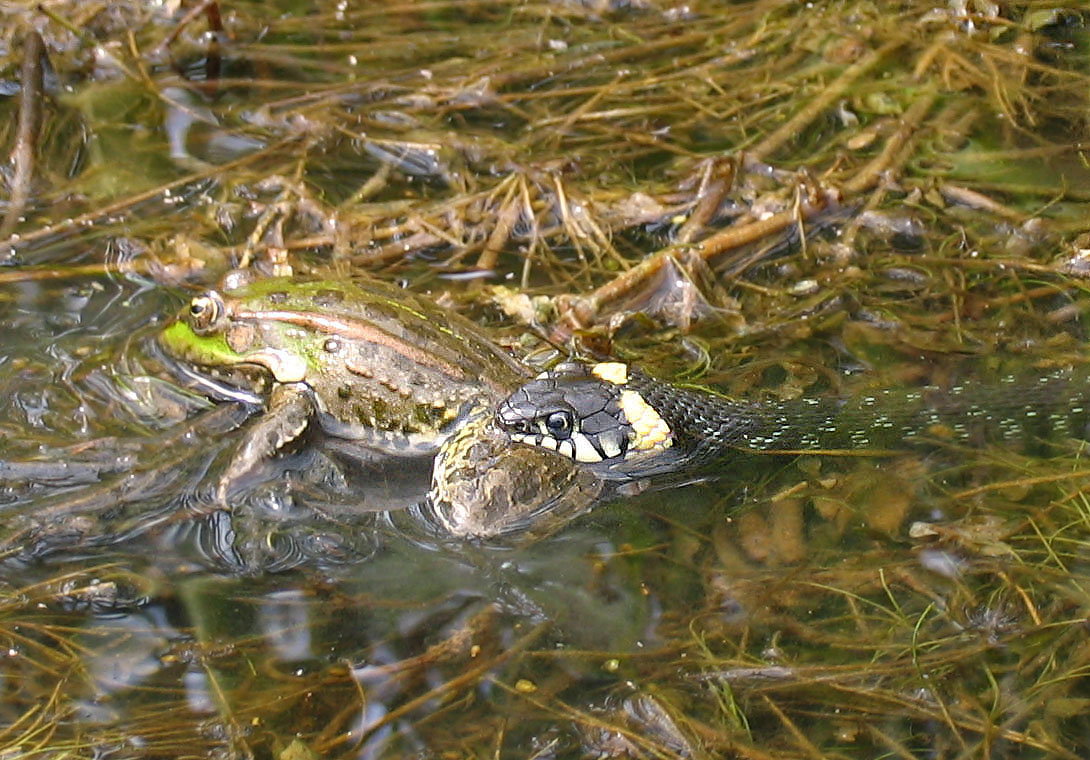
290, 409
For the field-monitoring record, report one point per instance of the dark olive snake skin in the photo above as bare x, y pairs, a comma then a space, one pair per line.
1053, 404
706, 426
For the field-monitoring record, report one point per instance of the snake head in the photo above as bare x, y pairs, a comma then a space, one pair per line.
584, 412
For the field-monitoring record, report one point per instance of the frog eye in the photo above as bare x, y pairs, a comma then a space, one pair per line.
559, 425
205, 312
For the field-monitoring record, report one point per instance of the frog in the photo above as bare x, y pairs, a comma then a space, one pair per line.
382, 369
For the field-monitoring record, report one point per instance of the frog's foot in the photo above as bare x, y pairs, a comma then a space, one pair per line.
289, 411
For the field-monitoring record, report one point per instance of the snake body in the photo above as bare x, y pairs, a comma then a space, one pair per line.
627, 424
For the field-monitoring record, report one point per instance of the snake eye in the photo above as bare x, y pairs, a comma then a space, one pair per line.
559, 425
205, 312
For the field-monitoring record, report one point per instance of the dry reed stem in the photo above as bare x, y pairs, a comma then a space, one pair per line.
825, 99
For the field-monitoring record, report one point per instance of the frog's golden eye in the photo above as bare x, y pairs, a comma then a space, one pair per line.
205, 312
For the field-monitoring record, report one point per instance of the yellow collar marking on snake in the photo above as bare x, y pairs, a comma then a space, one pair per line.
650, 431
611, 372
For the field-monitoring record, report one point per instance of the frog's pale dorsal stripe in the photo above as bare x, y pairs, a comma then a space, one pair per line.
356, 330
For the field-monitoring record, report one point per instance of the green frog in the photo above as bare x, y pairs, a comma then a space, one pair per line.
390, 372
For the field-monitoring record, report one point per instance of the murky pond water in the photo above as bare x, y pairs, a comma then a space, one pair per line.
777, 202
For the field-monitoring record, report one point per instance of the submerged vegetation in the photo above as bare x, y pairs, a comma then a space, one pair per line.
776, 199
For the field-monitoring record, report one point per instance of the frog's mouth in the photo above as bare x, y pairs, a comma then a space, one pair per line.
209, 359
247, 382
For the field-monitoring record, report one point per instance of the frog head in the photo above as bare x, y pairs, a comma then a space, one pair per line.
213, 336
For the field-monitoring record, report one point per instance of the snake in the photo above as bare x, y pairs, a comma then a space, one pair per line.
626, 424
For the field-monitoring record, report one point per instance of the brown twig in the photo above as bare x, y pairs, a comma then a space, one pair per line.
90, 217
812, 110
896, 146
581, 310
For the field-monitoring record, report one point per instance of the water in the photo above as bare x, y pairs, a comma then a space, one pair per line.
931, 604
